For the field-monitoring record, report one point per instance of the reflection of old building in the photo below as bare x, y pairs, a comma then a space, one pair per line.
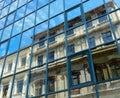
106, 60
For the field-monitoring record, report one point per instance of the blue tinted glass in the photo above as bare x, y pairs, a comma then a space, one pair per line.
29, 21
41, 28
41, 3
56, 7
17, 28
14, 44
10, 18
3, 48
2, 22
13, 6
6, 32
31, 7
27, 38
20, 13
42, 15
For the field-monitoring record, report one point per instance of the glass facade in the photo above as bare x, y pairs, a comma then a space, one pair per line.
59, 49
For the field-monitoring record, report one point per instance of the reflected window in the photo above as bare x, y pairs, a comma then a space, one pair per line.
39, 85
10, 67
75, 77
103, 18
42, 41
115, 68
71, 49
51, 84
92, 42
89, 24
40, 60
3, 48
52, 38
23, 60
19, 86
5, 90
51, 56
101, 72
41, 3
107, 37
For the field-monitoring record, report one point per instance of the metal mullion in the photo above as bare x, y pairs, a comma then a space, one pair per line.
47, 51
89, 51
66, 48
31, 57
112, 27
17, 57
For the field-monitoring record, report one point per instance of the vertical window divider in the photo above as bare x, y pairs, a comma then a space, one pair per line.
47, 51
17, 57
89, 51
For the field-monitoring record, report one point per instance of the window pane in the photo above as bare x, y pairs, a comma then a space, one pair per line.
10, 18
3, 48
80, 69
37, 81
14, 44
56, 7
7, 32
4, 11
29, 21
31, 7
17, 28
9, 65
2, 22
13, 6
69, 4
41, 28
42, 3
27, 38
22, 2
42, 15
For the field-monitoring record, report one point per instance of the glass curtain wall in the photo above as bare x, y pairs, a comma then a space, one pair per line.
59, 48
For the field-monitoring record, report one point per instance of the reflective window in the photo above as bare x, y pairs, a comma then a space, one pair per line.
7, 32
17, 28
4, 11
20, 13
3, 48
13, 6
42, 3
56, 7
27, 38
22, 2
2, 22
10, 18
29, 21
31, 7
41, 28
42, 15
14, 44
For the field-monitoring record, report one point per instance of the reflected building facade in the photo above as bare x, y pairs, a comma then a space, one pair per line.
59, 49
